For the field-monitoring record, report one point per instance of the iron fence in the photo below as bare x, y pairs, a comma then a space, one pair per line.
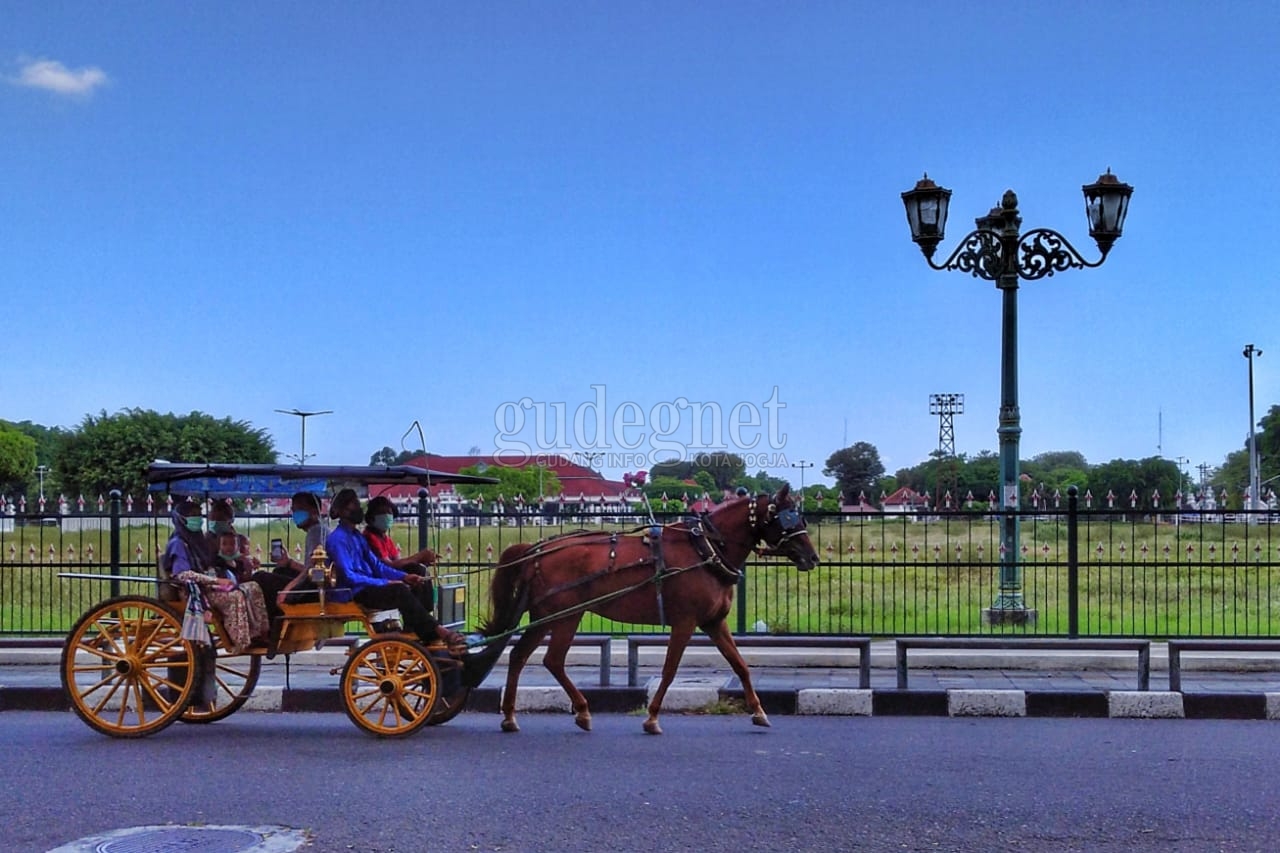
1084, 572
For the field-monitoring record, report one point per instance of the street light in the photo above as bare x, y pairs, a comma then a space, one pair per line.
1249, 352
802, 465
302, 454
998, 252
41, 472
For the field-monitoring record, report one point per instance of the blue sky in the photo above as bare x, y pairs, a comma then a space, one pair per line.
433, 211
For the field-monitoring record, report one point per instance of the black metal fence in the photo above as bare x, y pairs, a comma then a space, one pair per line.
1083, 572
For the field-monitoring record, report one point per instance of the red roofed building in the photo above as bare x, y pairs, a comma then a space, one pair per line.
905, 499
579, 484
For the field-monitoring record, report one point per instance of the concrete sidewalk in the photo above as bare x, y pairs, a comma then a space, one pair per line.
790, 681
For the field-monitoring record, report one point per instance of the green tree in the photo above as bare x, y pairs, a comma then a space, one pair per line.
108, 452
759, 483
856, 469
528, 483
17, 459
725, 468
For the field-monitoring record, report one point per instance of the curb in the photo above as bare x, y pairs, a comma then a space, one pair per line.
1116, 704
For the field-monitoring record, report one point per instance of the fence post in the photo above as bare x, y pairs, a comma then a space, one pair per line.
742, 600
115, 542
423, 533
1073, 562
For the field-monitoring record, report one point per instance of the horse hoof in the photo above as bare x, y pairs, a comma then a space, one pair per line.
510, 726
651, 727
760, 719
582, 721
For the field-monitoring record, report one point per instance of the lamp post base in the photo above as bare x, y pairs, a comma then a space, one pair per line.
1009, 610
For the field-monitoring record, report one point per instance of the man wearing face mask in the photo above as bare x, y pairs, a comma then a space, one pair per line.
372, 582
288, 574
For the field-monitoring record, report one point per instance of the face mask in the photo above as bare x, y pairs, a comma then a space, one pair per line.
384, 522
220, 526
229, 556
194, 523
300, 517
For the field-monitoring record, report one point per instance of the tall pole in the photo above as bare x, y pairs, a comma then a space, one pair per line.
998, 252
302, 454
801, 464
1009, 604
1249, 352
41, 471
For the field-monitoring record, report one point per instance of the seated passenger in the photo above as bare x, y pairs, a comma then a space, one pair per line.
380, 516
372, 582
210, 584
288, 574
222, 519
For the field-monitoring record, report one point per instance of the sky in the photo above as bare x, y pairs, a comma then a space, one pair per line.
582, 227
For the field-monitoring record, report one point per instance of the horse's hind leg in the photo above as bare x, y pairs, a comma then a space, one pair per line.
721, 636
529, 641
558, 647
676, 643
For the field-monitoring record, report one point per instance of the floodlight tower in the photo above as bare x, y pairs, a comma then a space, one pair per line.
946, 407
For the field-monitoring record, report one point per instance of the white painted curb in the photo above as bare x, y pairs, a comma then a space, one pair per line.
1145, 704
687, 694
543, 697
265, 698
987, 703
1273, 706
834, 702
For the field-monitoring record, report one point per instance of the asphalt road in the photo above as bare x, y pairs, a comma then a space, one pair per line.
710, 783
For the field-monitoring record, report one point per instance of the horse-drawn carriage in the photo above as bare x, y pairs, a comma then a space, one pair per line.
128, 671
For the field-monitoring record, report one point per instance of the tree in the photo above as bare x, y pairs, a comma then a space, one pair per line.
17, 459
856, 469
725, 468
108, 452
760, 483
528, 483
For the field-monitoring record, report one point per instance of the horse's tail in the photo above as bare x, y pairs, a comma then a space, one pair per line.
508, 599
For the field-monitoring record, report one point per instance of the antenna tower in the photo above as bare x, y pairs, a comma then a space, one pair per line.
946, 407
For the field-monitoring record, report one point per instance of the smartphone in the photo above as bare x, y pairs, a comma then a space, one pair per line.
277, 550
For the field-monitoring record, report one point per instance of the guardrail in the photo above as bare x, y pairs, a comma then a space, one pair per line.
1178, 646
862, 644
1142, 647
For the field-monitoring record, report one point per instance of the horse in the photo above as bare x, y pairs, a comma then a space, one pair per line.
681, 575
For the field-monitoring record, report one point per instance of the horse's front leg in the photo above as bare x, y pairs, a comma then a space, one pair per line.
529, 641
561, 638
723, 638
676, 644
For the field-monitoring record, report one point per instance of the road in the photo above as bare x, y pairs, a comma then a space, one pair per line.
711, 783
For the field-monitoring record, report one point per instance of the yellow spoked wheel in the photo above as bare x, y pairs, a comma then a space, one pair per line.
389, 687
126, 669
233, 680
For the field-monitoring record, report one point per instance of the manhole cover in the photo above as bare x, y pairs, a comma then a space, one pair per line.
191, 839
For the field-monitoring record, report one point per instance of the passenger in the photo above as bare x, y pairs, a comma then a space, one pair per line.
379, 518
222, 519
288, 574
187, 560
373, 583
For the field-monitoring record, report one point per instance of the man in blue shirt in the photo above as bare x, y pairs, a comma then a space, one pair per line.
373, 583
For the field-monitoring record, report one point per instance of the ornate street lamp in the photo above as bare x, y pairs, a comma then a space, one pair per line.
999, 252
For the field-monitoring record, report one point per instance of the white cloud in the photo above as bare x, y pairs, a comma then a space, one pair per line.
53, 76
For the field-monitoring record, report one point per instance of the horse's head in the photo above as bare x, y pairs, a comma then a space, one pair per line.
780, 525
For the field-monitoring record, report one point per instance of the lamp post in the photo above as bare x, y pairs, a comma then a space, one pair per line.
41, 472
1249, 352
998, 252
801, 464
302, 453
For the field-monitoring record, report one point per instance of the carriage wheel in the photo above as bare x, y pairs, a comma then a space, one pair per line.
235, 678
389, 687
126, 669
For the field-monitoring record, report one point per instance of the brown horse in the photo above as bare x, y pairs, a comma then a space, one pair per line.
682, 575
